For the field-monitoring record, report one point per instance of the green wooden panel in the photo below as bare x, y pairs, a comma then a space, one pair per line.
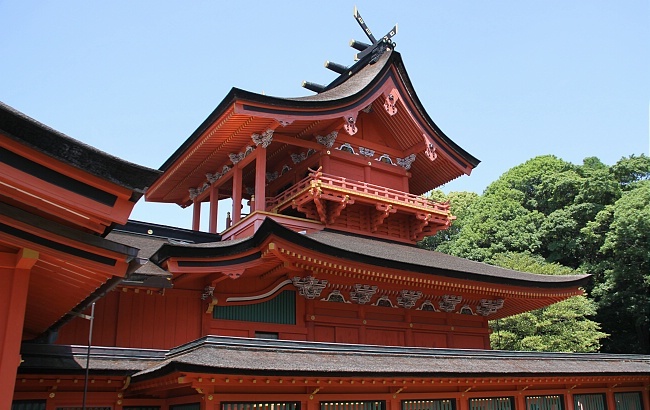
491, 403
589, 402
443, 404
554, 402
628, 401
280, 310
28, 405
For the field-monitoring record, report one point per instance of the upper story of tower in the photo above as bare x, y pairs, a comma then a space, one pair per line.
355, 157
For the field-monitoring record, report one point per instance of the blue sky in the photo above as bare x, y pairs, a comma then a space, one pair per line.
506, 80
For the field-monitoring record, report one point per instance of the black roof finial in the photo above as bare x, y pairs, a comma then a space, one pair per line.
382, 43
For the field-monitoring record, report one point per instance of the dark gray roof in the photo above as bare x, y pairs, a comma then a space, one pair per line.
345, 89
374, 252
387, 253
27, 131
255, 356
232, 355
44, 358
352, 85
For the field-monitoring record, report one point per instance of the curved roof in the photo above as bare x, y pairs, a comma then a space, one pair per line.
374, 252
229, 127
59, 146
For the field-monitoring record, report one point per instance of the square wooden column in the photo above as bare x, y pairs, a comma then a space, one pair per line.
214, 208
196, 215
15, 271
260, 179
236, 194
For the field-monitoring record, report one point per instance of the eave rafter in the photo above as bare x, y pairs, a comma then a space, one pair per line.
313, 385
482, 296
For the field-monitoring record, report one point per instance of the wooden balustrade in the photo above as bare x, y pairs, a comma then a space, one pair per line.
336, 183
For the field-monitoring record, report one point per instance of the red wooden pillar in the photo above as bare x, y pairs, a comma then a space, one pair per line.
14, 284
214, 208
611, 400
260, 180
568, 401
196, 215
236, 194
325, 163
520, 401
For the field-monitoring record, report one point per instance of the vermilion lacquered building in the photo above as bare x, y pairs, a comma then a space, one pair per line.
314, 297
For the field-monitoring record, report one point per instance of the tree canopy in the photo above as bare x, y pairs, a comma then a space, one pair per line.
591, 218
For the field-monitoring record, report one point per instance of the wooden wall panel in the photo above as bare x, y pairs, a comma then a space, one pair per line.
129, 319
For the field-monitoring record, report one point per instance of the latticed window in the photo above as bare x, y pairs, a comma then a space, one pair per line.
190, 406
491, 403
628, 401
291, 405
553, 402
28, 405
87, 408
589, 402
444, 404
280, 310
353, 405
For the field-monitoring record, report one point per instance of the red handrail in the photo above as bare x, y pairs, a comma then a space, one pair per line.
327, 180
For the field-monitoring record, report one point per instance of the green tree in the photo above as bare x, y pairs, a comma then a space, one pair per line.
579, 216
562, 327
622, 267
459, 204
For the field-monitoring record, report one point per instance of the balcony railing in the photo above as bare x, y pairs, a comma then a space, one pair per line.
355, 189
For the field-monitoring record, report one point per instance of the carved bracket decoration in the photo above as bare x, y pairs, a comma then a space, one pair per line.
284, 123
212, 178
298, 158
430, 150
427, 306
391, 100
367, 152
488, 307
386, 159
362, 293
466, 310
272, 176
208, 291
422, 221
350, 125
327, 140
195, 192
406, 162
335, 296
309, 287
408, 298
338, 207
449, 302
235, 158
264, 140
384, 211
384, 301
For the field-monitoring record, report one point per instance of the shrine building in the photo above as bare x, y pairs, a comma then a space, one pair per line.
315, 296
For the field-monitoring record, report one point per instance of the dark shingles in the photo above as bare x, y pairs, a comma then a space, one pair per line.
27, 131
225, 354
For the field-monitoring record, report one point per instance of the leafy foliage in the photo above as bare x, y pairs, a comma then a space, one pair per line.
562, 327
592, 218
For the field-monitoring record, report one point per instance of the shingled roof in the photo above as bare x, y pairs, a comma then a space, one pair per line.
27, 131
232, 355
375, 252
